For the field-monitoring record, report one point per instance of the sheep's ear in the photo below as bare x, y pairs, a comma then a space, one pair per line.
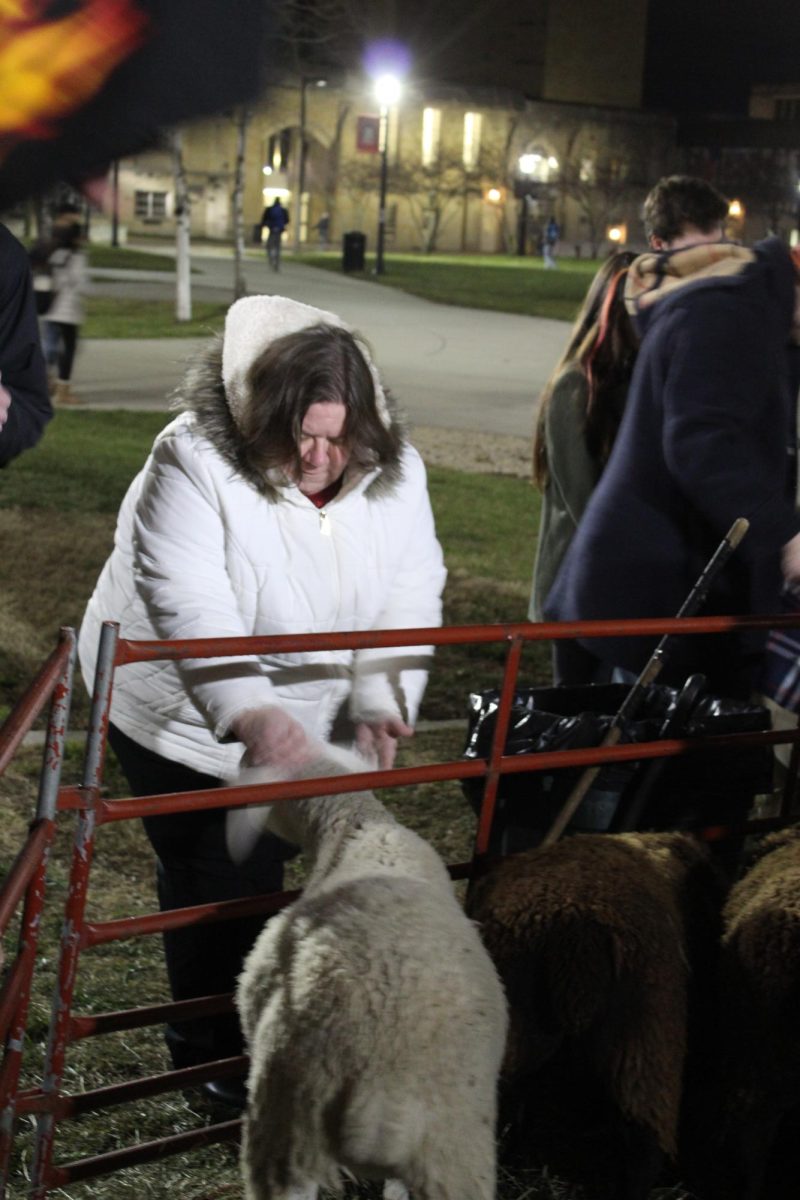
243, 828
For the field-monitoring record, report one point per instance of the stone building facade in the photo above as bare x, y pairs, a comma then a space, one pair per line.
474, 170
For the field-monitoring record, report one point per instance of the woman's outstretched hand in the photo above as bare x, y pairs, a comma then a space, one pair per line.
272, 738
377, 740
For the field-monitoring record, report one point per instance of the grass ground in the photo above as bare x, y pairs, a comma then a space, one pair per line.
128, 258
501, 283
123, 317
57, 514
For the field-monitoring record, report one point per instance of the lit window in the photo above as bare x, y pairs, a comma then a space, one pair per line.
538, 166
279, 150
472, 139
150, 206
431, 129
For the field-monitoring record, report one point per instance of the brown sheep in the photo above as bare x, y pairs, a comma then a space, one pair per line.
594, 939
759, 1074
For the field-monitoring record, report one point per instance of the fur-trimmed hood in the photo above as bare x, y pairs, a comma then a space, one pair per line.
215, 386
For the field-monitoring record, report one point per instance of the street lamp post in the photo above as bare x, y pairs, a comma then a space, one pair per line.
387, 91
305, 80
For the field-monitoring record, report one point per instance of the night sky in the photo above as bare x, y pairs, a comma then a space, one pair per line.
705, 56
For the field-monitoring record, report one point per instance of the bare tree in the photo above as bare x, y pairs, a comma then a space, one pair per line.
314, 32
183, 261
237, 199
600, 187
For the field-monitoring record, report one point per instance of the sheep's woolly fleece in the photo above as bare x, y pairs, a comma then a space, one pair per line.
253, 323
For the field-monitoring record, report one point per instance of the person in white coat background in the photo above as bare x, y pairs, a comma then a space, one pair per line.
70, 281
284, 499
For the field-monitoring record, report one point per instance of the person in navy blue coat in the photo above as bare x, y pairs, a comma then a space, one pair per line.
25, 406
708, 436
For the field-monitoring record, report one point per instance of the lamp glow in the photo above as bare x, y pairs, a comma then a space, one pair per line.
387, 90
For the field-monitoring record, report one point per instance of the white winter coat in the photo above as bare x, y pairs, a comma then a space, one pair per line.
201, 550
70, 284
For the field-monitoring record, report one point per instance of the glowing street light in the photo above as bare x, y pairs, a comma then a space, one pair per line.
388, 89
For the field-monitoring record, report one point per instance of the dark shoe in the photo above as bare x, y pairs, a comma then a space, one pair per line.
230, 1092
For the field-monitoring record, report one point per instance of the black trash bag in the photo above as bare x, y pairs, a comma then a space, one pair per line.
692, 792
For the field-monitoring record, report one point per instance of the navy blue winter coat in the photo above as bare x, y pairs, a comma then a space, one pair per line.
21, 361
708, 435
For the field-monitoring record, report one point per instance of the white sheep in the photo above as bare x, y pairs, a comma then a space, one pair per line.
375, 1020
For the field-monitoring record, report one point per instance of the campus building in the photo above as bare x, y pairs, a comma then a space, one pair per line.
530, 111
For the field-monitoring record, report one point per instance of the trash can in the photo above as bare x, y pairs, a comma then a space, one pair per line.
701, 789
257, 234
354, 248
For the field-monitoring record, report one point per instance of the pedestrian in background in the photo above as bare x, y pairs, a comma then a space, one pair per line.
579, 413
552, 232
65, 314
274, 219
323, 228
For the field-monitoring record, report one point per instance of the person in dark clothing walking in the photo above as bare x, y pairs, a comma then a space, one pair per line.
275, 218
708, 435
25, 406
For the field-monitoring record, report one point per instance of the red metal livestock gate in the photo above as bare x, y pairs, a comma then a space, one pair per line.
25, 885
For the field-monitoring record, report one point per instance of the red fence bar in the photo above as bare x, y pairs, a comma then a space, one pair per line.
238, 797
151, 1014
22, 871
28, 877
129, 650
117, 1160
20, 721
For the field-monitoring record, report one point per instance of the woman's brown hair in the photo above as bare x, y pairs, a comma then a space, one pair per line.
603, 345
319, 364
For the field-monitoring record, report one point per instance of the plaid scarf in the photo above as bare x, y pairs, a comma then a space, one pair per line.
656, 275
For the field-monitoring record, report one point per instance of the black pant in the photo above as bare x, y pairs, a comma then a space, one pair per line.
67, 344
194, 868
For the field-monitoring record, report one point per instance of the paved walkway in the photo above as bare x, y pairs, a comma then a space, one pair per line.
452, 368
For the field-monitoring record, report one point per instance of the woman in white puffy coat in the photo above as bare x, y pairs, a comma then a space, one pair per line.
285, 498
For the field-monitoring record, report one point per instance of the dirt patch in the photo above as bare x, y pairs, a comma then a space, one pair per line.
481, 453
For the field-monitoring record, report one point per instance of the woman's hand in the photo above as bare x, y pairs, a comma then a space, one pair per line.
377, 740
272, 738
790, 561
5, 404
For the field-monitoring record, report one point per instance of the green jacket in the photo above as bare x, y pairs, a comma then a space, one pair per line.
573, 476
